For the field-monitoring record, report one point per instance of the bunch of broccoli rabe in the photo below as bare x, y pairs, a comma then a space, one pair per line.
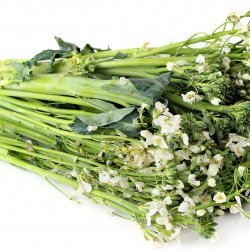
160, 135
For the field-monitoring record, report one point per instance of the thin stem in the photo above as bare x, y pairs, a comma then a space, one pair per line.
172, 46
200, 106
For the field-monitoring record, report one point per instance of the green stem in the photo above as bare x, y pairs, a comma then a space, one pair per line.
67, 161
169, 47
4, 155
200, 106
119, 203
126, 71
48, 97
58, 84
44, 107
45, 118
27, 132
47, 151
143, 62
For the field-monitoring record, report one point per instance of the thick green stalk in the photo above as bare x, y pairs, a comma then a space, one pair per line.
58, 84
66, 161
16, 128
49, 97
47, 151
44, 107
42, 117
143, 62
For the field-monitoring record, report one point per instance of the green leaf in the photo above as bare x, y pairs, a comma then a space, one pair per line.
106, 118
66, 46
153, 87
127, 89
23, 71
120, 55
88, 49
79, 127
66, 50
101, 105
126, 125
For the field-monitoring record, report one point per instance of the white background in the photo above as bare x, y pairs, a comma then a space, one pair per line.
34, 215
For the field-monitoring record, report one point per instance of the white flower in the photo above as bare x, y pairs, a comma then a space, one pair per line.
219, 212
246, 77
144, 105
239, 82
86, 187
194, 149
158, 141
181, 167
83, 187
180, 185
213, 169
187, 206
183, 207
218, 158
113, 181
226, 63
185, 139
216, 163
175, 234
139, 185
200, 212
247, 62
167, 200
153, 208
200, 69
226, 50
160, 106
145, 133
155, 192
169, 125
104, 177
237, 144
206, 135
171, 66
182, 154
200, 59
189, 97
74, 173
123, 182
236, 208
243, 26
211, 182
220, 197
140, 158
168, 187
241, 170
215, 101
164, 220
192, 180
234, 17
210, 209
161, 156
92, 128
123, 81
167, 113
